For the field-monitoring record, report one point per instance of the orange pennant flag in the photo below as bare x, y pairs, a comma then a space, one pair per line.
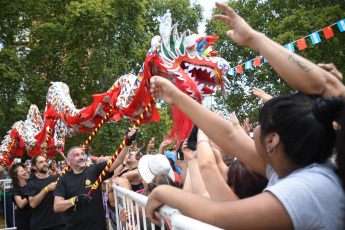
301, 44
328, 32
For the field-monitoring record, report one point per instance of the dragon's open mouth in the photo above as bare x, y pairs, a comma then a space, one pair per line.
205, 77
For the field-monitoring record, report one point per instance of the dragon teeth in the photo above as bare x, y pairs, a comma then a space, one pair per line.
200, 87
190, 67
213, 74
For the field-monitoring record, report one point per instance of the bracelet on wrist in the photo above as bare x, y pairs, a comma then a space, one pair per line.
73, 201
45, 188
203, 141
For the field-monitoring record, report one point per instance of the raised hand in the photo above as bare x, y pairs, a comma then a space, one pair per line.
241, 32
261, 94
246, 126
163, 89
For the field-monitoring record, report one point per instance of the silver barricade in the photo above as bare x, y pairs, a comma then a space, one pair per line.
7, 205
135, 203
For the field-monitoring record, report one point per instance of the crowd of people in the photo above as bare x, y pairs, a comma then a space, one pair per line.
289, 175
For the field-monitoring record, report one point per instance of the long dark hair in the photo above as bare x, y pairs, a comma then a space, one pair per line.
244, 181
162, 179
304, 125
13, 173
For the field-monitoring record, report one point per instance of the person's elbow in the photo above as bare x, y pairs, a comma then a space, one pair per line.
206, 164
33, 205
57, 206
21, 206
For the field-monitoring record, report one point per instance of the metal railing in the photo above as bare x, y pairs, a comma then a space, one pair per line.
135, 203
7, 205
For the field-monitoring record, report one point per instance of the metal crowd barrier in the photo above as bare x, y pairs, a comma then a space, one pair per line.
7, 205
132, 200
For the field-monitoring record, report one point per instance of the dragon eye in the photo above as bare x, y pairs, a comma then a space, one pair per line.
201, 46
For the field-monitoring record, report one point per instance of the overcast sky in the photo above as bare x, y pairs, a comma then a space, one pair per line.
208, 5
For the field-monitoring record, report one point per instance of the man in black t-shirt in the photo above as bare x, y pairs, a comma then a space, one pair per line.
41, 198
82, 211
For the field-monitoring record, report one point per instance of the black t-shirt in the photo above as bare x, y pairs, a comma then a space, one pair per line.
43, 216
23, 214
91, 216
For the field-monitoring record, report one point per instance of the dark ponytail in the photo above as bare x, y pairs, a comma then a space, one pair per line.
304, 125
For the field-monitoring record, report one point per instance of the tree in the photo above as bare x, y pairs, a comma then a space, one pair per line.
86, 44
284, 22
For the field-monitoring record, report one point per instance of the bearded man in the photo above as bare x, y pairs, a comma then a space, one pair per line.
40, 191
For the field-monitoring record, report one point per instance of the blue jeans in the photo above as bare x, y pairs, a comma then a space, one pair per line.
8, 210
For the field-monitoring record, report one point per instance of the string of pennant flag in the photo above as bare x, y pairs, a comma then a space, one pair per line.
301, 44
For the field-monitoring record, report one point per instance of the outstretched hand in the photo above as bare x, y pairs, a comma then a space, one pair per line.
166, 142
241, 32
261, 94
163, 89
132, 133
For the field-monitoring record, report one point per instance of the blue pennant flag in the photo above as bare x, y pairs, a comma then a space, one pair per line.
290, 47
315, 38
231, 71
248, 65
341, 25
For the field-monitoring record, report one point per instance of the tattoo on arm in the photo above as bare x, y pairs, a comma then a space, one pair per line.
300, 64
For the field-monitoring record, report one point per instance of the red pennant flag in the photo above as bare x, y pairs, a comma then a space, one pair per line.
301, 44
239, 69
328, 32
257, 61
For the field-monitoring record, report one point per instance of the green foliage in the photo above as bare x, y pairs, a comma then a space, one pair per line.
86, 44
284, 22
12, 101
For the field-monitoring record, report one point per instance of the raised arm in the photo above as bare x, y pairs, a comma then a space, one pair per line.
120, 158
215, 184
221, 132
166, 142
297, 71
195, 177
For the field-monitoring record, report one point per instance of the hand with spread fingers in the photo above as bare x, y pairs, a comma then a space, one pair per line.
241, 32
261, 94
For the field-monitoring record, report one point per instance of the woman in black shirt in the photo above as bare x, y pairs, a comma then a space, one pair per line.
19, 178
